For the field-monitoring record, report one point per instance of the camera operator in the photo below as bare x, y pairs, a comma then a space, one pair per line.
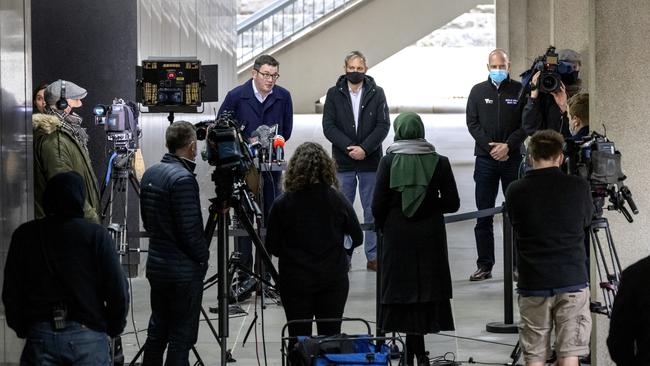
60, 145
549, 111
629, 328
259, 101
64, 289
494, 121
178, 251
549, 211
306, 228
578, 108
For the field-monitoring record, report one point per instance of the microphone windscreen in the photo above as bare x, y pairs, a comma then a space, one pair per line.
278, 141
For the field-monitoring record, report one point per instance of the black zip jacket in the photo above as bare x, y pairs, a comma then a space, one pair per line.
64, 260
629, 329
543, 113
494, 115
340, 129
171, 214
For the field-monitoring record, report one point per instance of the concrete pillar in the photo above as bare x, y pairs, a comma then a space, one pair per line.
511, 24
619, 93
610, 37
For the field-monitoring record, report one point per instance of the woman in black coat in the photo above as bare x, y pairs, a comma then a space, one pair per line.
415, 187
305, 231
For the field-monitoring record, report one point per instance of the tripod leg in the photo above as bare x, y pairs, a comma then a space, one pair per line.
245, 220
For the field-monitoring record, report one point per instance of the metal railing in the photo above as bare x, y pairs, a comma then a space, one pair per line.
278, 21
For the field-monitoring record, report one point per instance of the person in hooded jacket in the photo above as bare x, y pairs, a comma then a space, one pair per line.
61, 145
63, 266
415, 187
356, 122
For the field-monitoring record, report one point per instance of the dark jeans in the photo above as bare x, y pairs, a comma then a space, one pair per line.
74, 345
272, 187
487, 174
174, 322
324, 303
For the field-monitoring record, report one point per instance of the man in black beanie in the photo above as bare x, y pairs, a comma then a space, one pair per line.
63, 282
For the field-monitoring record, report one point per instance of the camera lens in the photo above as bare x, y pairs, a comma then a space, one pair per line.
550, 83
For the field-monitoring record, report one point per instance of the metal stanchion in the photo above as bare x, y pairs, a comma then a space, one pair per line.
508, 325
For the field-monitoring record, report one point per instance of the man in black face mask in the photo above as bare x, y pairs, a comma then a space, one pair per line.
356, 122
549, 111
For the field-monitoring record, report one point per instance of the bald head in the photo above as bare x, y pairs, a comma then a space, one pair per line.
498, 61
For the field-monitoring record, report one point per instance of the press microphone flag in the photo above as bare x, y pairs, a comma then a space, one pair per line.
278, 146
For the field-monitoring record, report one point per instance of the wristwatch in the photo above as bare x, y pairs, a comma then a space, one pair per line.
533, 86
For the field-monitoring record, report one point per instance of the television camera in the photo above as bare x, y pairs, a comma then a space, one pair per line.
596, 159
552, 71
120, 121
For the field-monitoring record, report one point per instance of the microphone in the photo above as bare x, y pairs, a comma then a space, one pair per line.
262, 133
278, 145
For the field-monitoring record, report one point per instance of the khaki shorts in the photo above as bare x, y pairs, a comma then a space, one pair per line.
569, 312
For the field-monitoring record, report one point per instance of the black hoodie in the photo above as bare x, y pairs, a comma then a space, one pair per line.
64, 259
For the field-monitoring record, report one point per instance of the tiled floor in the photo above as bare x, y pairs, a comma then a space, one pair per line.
474, 304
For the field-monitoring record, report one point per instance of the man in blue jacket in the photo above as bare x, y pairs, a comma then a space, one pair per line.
356, 122
178, 250
259, 101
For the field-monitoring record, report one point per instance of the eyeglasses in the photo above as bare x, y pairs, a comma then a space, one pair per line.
268, 76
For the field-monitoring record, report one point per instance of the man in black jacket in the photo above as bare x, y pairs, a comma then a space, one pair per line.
549, 111
356, 122
629, 328
178, 251
550, 211
63, 282
494, 120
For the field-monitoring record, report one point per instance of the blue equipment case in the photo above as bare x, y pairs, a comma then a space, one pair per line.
339, 350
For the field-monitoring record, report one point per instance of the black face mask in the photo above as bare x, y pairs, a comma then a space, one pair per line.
570, 79
355, 77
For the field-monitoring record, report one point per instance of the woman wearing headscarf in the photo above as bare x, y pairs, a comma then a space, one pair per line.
415, 187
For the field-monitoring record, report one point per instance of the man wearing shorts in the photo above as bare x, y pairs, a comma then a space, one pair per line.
550, 211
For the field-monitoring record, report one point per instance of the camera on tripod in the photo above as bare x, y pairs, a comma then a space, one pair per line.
225, 147
551, 71
596, 159
120, 121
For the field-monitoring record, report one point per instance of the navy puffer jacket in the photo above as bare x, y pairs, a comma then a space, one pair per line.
171, 213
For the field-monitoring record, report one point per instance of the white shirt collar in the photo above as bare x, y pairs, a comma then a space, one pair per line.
258, 95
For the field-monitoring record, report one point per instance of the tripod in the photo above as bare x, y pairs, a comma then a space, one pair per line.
231, 192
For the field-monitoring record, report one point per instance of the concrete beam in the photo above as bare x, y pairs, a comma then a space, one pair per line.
378, 28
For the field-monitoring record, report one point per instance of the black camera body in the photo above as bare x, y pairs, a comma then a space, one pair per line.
225, 147
551, 71
595, 158
120, 120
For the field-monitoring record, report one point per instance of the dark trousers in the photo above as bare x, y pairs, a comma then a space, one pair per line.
174, 322
327, 302
272, 187
487, 174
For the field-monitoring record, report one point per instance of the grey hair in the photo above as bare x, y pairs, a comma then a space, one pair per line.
356, 54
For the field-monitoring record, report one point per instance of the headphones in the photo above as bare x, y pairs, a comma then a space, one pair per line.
62, 103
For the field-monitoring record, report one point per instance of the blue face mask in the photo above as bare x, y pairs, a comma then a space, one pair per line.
498, 75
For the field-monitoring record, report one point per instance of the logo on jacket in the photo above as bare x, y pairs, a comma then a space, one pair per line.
510, 101
488, 101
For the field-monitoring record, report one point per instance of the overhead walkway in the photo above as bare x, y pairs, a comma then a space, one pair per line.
311, 37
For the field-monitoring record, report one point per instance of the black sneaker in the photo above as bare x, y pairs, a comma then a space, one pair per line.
481, 274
